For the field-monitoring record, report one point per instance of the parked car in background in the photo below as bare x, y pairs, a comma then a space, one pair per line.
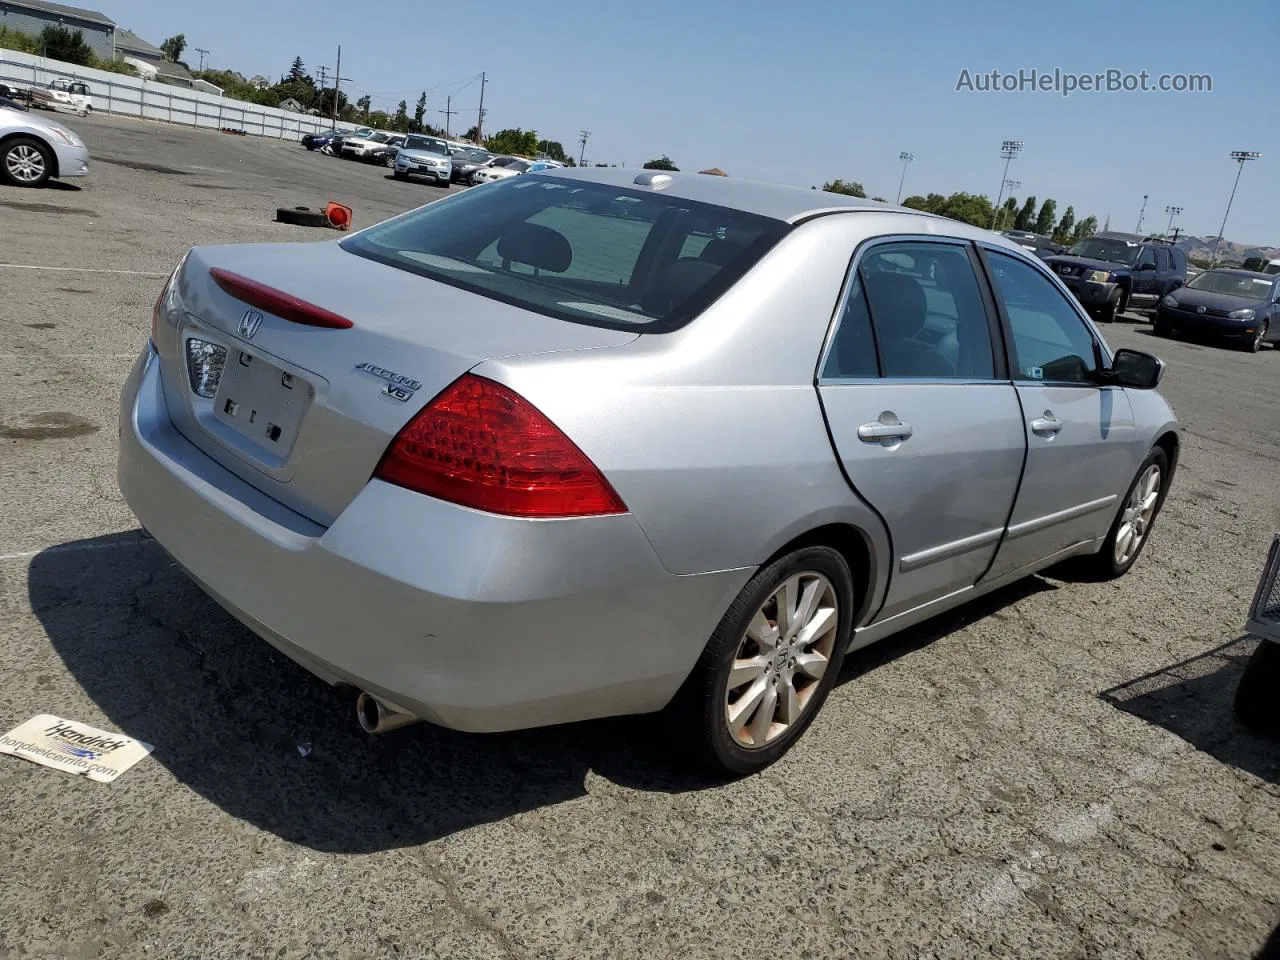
369, 147
65, 95
466, 161
334, 146
1036, 243
424, 156
36, 149
314, 141
501, 168
1110, 271
1241, 306
498, 462
385, 154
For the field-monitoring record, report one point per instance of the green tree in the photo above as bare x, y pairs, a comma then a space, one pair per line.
420, 111
1062, 233
1085, 228
850, 188
514, 141
363, 105
662, 163
1026, 218
173, 47
472, 135
553, 149
880, 199
379, 120
401, 120
297, 71
968, 208
60, 43
1044, 221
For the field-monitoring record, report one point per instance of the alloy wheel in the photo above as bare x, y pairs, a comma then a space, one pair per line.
781, 659
25, 163
1261, 337
1139, 511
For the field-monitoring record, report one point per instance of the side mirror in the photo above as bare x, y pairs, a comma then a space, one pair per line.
1133, 368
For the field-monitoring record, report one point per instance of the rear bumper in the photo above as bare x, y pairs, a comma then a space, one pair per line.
469, 620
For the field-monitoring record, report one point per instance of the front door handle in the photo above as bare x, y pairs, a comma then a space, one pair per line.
1046, 426
878, 431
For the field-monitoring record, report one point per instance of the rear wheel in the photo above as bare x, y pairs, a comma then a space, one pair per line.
770, 664
25, 162
1256, 703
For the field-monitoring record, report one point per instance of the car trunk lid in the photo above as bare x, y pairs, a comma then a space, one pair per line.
304, 413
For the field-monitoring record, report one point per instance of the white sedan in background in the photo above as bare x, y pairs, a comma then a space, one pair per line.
501, 168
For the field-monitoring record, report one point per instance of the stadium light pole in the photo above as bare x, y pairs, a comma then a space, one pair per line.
1239, 156
1172, 212
1141, 214
1012, 185
1008, 149
906, 158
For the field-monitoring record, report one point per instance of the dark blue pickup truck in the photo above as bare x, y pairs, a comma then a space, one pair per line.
1109, 272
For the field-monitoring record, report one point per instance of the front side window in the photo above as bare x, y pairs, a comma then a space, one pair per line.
585, 252
926, 310
1147, 259
1051, 341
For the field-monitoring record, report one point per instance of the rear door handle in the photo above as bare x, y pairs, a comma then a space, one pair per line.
880, 432
1046, 426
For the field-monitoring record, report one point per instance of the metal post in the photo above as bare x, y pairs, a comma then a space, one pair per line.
1008, 149
480, 114
1141, 213
1239, 156
906, 158
1172, 212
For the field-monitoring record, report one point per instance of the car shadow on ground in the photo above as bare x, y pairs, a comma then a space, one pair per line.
1194, 698
255, 734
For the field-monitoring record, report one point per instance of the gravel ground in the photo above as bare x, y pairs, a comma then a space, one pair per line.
1054, 772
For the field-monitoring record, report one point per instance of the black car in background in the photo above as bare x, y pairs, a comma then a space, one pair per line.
468, 161
1237, 305
1108, 272
1036, 243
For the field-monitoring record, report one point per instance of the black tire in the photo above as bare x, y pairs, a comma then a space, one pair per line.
389, 160
1122, 303
399, 176
1162, 327
1103, 565
23, 147
698, 713
1254, 345
1110, 311
301, 216
1256, 703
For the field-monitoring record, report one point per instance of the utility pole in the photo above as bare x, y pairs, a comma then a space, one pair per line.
448, 112
906, 158
480, 113
1141, 213
1008, 149
1239, 156
583, 152
1172, 212
202, 52
337, 82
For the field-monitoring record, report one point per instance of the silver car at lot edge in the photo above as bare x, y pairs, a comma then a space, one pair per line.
591, 443
35, 149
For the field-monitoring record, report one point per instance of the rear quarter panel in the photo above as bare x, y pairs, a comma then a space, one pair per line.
713, 435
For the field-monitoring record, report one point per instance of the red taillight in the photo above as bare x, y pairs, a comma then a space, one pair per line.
283, 305
483, 446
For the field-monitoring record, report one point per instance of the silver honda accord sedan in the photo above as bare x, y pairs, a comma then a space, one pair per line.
592, 443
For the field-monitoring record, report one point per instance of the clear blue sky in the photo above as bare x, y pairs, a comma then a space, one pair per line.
829, 88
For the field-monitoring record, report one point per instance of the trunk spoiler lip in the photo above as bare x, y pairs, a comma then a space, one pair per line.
281, 304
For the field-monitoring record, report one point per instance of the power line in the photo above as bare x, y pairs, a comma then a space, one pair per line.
202, 52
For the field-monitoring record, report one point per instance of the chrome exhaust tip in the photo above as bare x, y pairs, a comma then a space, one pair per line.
378, 716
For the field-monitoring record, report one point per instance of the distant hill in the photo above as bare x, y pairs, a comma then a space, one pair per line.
1202, 247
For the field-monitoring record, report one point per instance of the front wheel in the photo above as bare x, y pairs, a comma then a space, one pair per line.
25, 162
1162, 327
1132, 526
770, 664
1254, 345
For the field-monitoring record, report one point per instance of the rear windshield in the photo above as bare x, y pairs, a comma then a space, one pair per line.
585, 252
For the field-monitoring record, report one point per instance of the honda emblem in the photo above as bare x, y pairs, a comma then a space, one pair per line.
249, 324
1200, 309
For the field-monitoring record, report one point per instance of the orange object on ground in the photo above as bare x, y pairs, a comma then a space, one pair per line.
339, 216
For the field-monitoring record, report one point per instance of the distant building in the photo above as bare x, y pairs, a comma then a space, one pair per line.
32, 16
149, 60
292, 105
259, 82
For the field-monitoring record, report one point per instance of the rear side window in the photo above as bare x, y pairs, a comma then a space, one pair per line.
585, 252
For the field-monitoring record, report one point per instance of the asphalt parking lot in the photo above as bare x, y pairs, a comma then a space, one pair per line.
1054, 772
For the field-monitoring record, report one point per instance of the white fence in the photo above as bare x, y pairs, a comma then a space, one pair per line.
126, 96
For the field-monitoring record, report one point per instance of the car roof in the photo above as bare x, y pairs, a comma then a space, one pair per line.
775, 200
1254, 274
